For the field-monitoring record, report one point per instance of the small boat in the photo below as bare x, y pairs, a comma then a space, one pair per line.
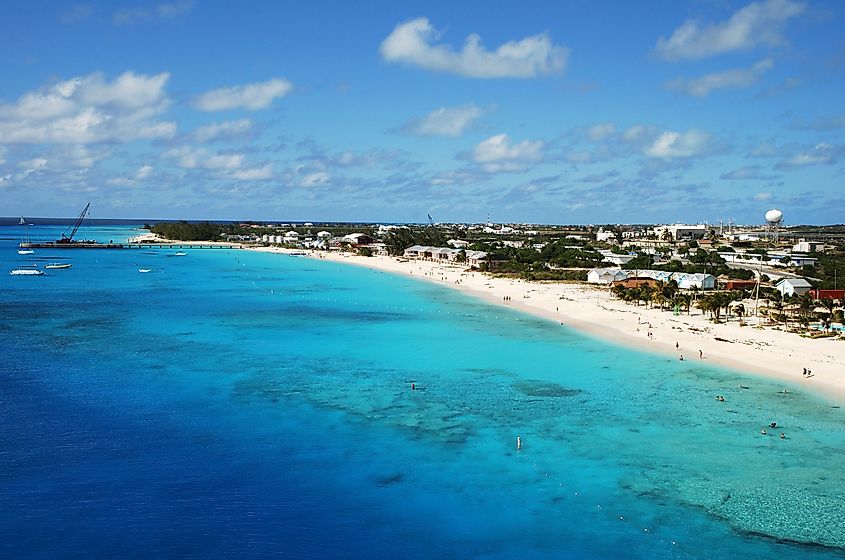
26, 272
180, 254
145, 270
25, 240
57, 265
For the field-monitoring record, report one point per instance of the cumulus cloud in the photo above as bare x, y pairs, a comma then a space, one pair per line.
221, 165
600, 131
820, 154
498, 153
163, 11
31, 166
223, 130
445, 121
412, 42
762, 196
736, 78
254, 174
759, 23
671, 145
89, 109
251, 96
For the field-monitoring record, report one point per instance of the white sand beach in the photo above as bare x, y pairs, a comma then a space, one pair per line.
767, 352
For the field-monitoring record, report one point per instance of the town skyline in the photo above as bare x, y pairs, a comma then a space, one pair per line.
533, 113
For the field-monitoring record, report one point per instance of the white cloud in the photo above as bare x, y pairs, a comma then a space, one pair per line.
254, 173
820, 154
77, 13
671, 145
89, 109
189, 158
251, 96
759, 23
762, 196
2, 155
736, 78
222, 130
171, 10
636, 133
317, 179
411, 43
445, 121
224, 166
30, 166
498, 153
143, 172
600, 131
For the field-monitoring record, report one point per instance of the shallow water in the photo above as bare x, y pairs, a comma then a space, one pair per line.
230, 403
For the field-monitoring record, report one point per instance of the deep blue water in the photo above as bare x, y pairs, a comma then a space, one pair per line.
235, 404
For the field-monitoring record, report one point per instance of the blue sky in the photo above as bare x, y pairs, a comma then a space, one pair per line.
531, 111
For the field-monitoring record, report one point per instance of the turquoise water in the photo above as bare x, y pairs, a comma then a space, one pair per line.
237, 404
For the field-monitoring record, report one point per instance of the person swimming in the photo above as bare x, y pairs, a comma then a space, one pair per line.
763, 432
773, 425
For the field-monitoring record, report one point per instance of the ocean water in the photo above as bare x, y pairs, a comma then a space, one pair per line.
232, 404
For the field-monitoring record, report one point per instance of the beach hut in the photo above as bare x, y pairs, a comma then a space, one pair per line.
793, 286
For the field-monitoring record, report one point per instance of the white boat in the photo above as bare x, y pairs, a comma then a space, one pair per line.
25, 240
145, 270
26, 272
180, 254
57, 265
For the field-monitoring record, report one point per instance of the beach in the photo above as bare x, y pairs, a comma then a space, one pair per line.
767, 352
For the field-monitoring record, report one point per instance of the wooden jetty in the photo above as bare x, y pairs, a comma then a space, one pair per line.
93, 245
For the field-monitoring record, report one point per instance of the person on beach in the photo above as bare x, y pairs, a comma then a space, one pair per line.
681, 357
700, 355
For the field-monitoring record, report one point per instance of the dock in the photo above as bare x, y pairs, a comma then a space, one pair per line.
87, 245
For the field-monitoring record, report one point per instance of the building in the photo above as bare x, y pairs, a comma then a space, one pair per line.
793, 286
606, 276
605, 236
445, 254
681, 232
828, 294
685, 281
804, 246
740, 284
636, 282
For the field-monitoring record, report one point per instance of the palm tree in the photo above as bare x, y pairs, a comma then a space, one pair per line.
739, 309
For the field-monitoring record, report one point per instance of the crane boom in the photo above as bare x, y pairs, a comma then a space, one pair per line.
76, 224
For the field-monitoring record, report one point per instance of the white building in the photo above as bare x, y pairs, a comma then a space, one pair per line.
457, 243
680, 232
793, 286
606, 276
323, 234
804, 246
605, 236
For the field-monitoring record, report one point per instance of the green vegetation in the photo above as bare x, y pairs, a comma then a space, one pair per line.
185, 231
829, 271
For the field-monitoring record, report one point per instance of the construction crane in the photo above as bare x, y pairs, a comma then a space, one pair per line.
69, 238
430, 221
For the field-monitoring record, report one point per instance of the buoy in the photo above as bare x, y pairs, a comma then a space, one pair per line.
519, 444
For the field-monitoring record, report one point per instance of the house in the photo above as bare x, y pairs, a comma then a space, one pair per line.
605, 236
740, 284
606, 276
698, 280
680, 232
323, 234
458, 243
636, 282
357, 239
793, 286
828, 294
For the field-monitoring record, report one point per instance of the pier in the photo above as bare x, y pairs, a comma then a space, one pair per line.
86, 245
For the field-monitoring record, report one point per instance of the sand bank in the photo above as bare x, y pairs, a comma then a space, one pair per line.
775, 354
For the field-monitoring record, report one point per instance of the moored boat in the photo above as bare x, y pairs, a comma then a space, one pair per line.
26, 272
57, 265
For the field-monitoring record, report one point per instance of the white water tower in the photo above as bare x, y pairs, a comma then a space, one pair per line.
774, 218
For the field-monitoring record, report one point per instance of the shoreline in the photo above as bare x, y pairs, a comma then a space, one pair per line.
771, 354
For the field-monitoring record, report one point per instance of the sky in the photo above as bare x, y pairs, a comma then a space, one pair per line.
562, 112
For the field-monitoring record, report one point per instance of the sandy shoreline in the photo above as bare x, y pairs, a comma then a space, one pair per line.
769, 353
